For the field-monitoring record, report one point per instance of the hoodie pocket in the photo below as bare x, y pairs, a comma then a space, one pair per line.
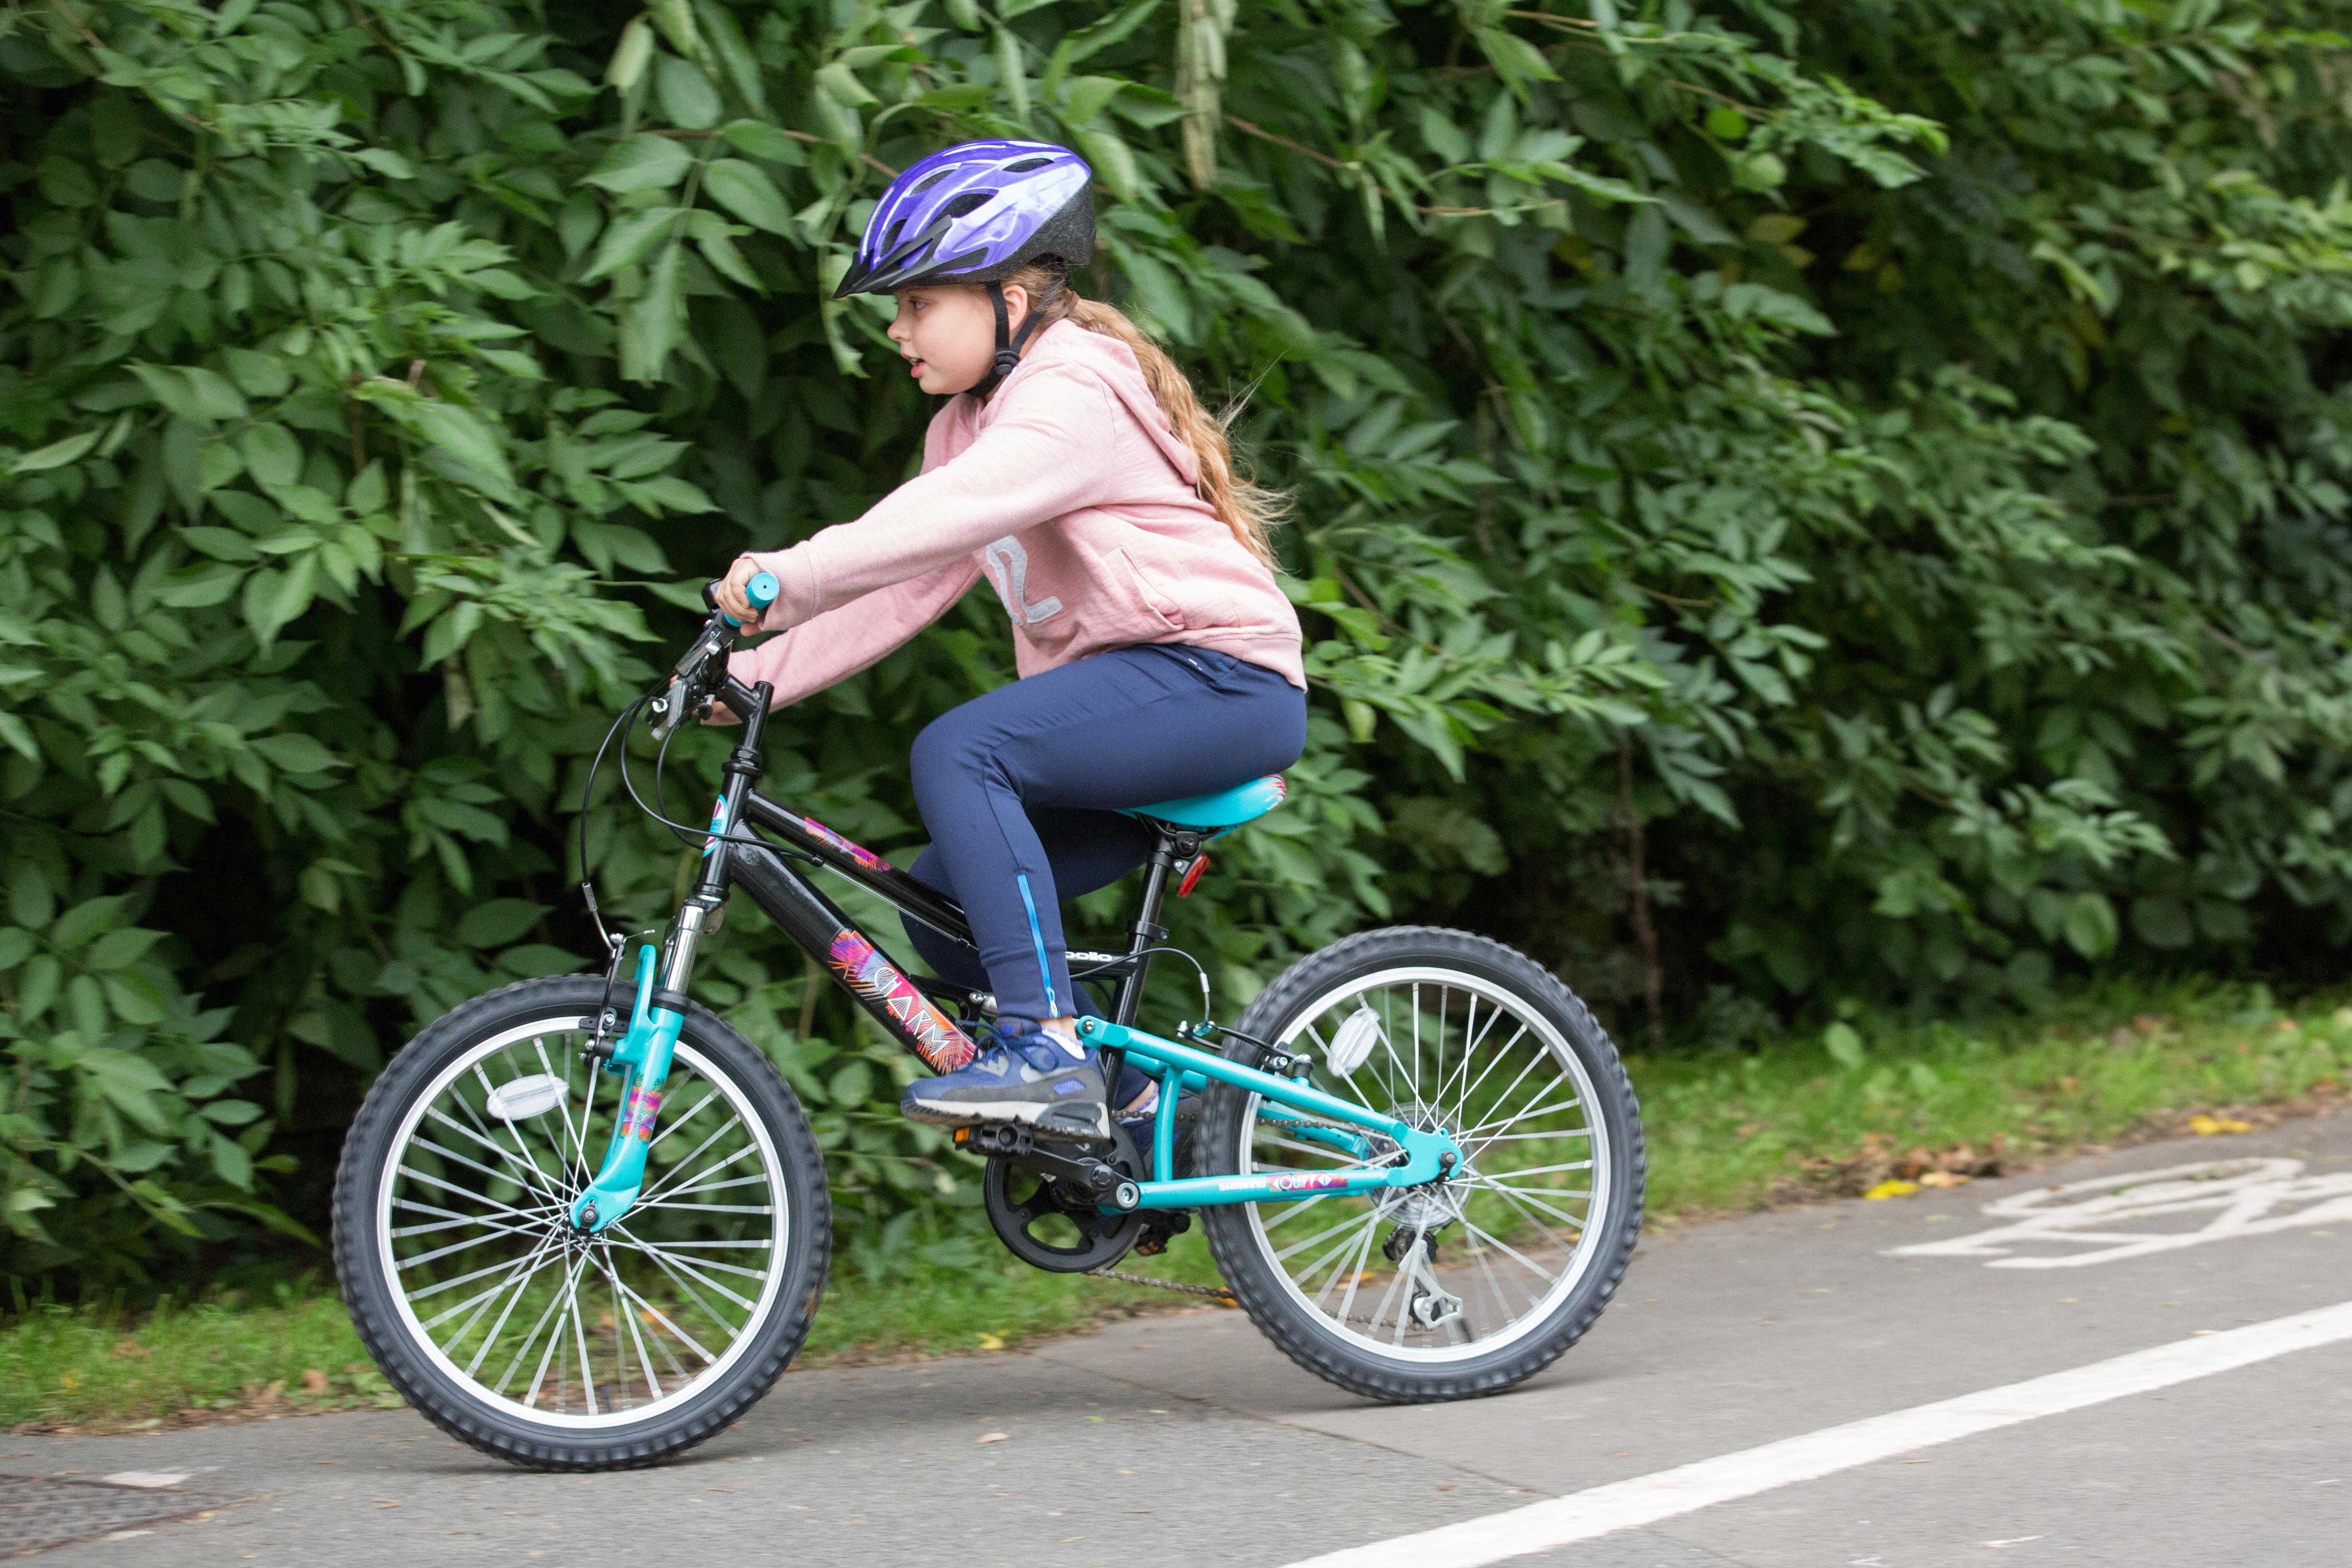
1154, 602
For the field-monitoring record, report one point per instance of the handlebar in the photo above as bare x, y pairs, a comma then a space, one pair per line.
684, 687
761, 591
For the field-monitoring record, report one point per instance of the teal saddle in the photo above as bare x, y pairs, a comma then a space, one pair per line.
1220, 813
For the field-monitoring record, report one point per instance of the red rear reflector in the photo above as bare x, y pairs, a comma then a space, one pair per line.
1193, 877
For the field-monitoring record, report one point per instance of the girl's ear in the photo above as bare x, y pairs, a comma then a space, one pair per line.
1016, 305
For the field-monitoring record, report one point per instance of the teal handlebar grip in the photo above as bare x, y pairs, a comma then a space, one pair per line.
761, 591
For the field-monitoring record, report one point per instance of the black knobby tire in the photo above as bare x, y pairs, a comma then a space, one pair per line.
462, 1407
1321, 1341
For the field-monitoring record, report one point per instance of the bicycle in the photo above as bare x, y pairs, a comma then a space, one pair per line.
1417, 1157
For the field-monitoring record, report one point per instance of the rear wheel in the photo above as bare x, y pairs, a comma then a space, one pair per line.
508, 1327
1454, 1289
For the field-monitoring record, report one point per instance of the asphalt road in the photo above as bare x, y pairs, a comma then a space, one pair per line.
1188, 1439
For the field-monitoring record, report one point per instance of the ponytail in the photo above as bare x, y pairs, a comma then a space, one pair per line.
1250, 510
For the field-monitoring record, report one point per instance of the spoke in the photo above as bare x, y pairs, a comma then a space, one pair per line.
508, 1268
1373, 1323
1318, 1236
1534, 1062
413, 1173
1543, 1170
522, 1147
762, 1245
1499, 1245
1513, 1196
455, 1126
580, 1338
622, 1314
1570, 1103
573, 1170
472, 1241
540, 1378
695, 1268
1321, 1153
677, 1171
700, 1264
656, 1200
1515, 1137
462, 1280
1469, 1049
1494, 1285
688, 1339
1355, 1267
690, 1113
1502, 1055
476, 1166
695, 1153
695, 1296
1291, 1211
1550, 1235
723, 1208
538, 1260
1338, 1257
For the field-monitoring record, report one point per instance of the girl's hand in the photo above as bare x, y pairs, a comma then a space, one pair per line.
730, 593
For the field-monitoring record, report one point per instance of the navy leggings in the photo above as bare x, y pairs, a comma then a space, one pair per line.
1018, 789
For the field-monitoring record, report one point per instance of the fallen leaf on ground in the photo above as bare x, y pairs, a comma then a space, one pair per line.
2213, 1126
1943, 1179
991, 1341
991, 1437
1892, 1189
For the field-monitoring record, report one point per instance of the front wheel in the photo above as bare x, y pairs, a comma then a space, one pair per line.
1455, 1289
512, 1330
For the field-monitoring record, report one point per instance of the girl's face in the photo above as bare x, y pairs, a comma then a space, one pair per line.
947, 333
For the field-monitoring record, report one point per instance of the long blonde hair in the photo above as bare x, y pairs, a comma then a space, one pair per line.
1247, 507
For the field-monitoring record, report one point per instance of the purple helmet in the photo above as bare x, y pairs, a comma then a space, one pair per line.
974, 214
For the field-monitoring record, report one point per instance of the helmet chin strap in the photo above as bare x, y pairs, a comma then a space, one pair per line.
1008, 343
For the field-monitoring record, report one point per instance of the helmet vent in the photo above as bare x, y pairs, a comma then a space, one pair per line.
933, 178
1026, 164
970, 201
890, 238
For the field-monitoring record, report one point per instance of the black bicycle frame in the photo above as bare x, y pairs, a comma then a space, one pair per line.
770, 876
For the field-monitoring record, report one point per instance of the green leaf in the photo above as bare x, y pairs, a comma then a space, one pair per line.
57, 454
499, 922
292, 753
646, 162
630, 240
764, 140
1843, 1045
257, 374
686, 95
742, 189
2090, 925
271, 453
653, 323
193, 392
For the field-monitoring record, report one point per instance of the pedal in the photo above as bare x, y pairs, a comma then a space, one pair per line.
1161, 1229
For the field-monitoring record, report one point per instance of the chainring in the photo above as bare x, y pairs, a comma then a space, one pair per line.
1103, 1238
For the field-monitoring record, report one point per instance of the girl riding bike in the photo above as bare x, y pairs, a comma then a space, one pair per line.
1072, 465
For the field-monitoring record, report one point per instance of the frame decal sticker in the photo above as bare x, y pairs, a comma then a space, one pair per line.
865, 972
864, 856
638, 1114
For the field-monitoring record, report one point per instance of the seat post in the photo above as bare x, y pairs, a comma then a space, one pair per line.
1167, 850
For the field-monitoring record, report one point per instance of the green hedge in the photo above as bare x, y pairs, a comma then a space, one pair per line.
1798, 509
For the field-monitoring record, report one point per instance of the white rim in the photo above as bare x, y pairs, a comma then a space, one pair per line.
1519, 1223
661, 1285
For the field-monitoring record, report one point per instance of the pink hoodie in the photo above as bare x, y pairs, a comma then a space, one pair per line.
1069, 490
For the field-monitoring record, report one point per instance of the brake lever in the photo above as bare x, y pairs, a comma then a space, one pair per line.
670, 708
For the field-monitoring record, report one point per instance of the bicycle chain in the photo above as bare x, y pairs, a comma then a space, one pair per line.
1215, 1292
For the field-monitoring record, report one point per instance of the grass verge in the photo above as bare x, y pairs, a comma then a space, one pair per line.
1863, 1111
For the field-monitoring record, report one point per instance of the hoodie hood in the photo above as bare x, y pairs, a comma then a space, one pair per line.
1113, 362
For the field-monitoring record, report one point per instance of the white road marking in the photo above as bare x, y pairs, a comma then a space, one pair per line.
2245, 1197
1646, 1499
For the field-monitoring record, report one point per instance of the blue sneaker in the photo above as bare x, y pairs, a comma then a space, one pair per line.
1033, 1080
